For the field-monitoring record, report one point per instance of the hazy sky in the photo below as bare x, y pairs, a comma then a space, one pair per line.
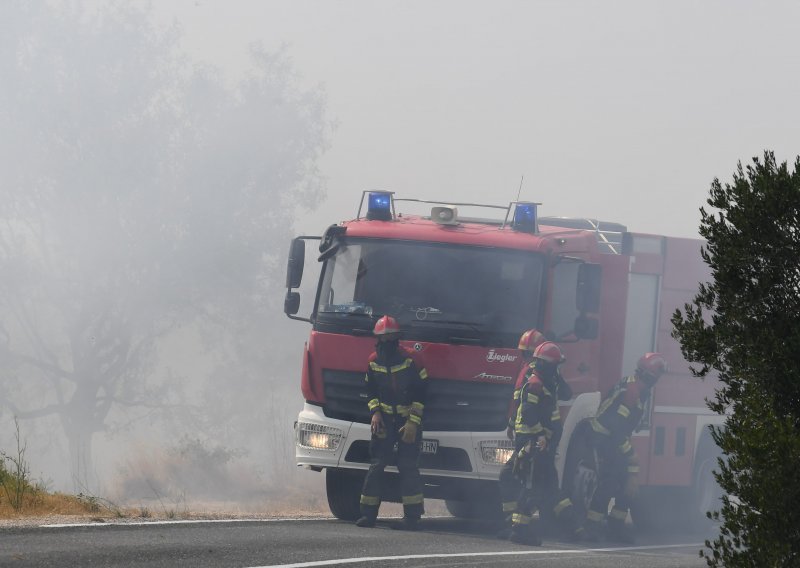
623, 111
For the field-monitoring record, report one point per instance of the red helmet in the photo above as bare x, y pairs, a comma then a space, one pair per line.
550, 352
652, 364
530, 340
386, 325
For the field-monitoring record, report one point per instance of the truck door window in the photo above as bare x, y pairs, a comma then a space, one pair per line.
565, 286
641, 325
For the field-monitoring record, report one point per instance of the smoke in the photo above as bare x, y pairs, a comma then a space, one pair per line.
146, 208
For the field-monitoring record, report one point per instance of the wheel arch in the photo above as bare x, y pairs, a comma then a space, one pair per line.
584, 406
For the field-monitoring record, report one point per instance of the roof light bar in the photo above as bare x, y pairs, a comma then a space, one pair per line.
525, 217
379, 206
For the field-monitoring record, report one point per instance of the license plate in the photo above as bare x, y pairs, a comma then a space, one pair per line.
430, 446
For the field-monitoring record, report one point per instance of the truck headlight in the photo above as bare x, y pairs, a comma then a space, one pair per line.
317, 436
496, 452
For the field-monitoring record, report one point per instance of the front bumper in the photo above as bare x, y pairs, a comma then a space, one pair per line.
461, 455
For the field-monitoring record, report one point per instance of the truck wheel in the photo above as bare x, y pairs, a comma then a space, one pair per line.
459, 509
664, 509
343, 488
476, 510
580, 471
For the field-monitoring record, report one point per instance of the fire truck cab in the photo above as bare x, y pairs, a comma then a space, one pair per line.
463, 290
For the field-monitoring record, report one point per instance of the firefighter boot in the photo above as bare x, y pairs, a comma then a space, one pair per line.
365, 522
504, 528
591, 530
616, 531
567, 521
407, 524
524, 534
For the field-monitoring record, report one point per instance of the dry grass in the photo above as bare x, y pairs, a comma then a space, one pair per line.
194, 481
44, 508
45, 504
41, 505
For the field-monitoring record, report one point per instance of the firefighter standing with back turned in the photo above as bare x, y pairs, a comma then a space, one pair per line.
524, 477
396, 403
617, 417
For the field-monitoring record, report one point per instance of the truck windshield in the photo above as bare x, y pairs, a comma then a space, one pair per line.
437, 292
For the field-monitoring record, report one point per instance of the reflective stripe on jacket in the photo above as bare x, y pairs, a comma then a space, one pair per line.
537, 409
396, 386
620, 413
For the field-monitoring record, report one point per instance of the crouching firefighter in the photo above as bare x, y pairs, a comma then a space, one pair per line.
618, 467
524, 479
396, 390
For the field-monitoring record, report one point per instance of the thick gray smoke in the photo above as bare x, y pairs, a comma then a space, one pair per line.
143, 228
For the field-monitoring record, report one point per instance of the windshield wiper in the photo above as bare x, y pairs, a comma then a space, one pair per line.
347, 314
466, 340
345, 320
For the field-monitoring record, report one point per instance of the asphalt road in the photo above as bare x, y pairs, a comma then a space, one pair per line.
298, 543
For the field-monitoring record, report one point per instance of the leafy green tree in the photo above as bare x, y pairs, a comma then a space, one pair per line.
141, 195
744, 325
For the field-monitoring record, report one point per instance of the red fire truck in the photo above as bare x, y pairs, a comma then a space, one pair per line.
463, 290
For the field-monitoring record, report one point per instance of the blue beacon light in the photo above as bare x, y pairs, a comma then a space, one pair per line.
379, 206
525, 217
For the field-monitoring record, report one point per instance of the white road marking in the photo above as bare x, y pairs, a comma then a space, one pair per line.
417, 557
105, 523
648, 547
340, 561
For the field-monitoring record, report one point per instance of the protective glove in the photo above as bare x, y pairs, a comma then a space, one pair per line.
377, 423
510, 433
409, 432
541, 443
631, 487
522, 462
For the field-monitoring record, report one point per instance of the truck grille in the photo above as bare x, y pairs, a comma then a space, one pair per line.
452, 406
445, 459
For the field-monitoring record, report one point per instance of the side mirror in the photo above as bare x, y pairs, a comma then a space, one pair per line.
294, 268
586, 328
587, 297
291, 304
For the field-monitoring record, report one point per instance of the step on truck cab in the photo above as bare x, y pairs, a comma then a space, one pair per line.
463, 290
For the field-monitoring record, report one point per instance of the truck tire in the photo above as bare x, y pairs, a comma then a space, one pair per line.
665, 509
658, 510
343, 488
459, 509
482, 509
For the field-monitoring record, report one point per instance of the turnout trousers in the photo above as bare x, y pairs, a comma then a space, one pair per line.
389, 449
611, 478
522, 483
524, 491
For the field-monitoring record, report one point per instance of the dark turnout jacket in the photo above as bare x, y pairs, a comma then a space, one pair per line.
396, 385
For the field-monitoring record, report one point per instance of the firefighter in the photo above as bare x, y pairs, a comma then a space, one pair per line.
396, 389
528, 342
617, 417
556, 506
523, 478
